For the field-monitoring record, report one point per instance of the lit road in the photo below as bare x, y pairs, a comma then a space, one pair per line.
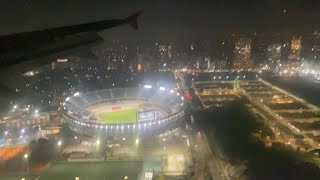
210, 157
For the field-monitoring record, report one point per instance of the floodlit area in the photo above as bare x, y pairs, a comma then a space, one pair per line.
292, 120
175, 164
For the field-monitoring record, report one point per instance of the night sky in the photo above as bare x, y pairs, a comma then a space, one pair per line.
165, 19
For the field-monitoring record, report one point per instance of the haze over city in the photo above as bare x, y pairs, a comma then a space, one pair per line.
154, 90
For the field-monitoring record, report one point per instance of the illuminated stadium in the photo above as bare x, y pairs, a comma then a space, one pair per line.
122, 111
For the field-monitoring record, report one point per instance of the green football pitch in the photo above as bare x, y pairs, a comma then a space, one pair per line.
124, 116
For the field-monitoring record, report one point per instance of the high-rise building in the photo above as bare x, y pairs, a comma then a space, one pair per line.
273, 55
295, 48
242, 53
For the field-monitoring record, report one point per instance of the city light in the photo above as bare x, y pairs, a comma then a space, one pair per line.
147, 86
25, 156
137, 141
15, 107
68, 98
59, 143
22, 130
76, 94
162, 88
98, 142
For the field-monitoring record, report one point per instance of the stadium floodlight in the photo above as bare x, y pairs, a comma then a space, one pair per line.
68, 98
76, 94
162, 88
147, 86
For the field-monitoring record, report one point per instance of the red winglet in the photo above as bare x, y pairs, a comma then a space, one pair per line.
132, 20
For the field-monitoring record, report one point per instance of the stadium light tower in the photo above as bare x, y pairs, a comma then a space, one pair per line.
147, 86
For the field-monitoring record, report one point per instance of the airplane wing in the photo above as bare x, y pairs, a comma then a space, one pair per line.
21, 47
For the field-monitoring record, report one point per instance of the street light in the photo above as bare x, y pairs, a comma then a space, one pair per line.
98, 142
26, 158
124, 147
75, 137
59, 143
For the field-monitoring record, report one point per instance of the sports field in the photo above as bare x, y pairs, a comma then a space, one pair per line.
85, 170
123, 116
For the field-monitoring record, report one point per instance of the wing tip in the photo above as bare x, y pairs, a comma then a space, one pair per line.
132, 20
